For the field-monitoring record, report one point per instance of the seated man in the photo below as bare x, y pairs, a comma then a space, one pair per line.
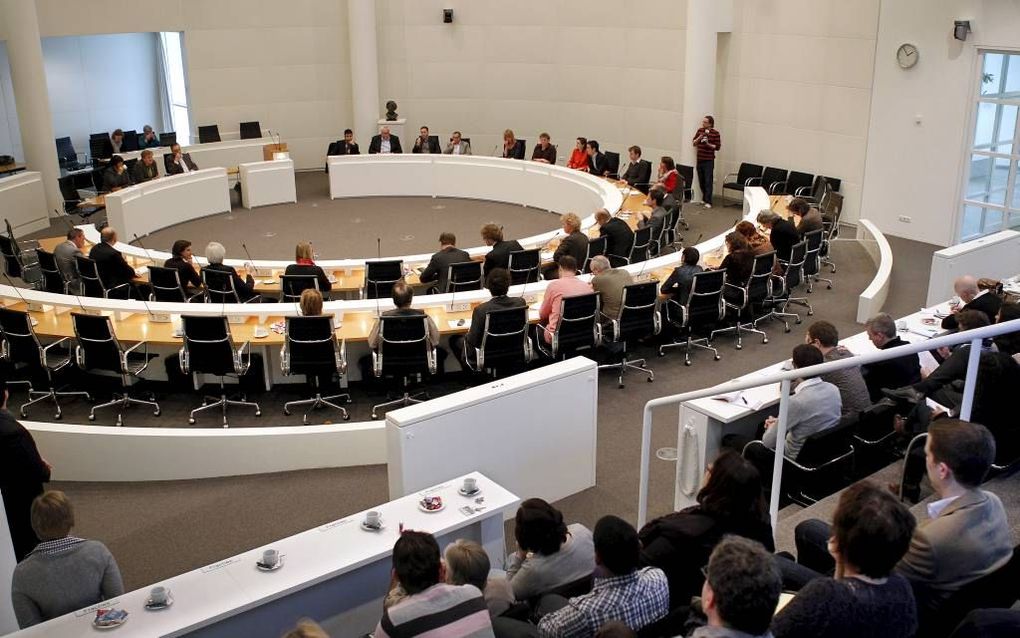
145, 169
782, 233
741, 590
894, 373
149, 138
809, 216
609, 283
853, 392
499, 256
567, 284
214, 254
424, 142
621, 591
545, 152
458, 145
438, 269
498, 283
429, 605
116, 176
597, 164
402, 295
183, 260
179, 162
384, 142
113, 269
639, 172
972, 298
619, 236
348, 146
63, 573
657, 218
64, 254
678, 284
574, 244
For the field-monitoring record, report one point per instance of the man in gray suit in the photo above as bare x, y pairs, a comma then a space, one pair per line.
65, 253
457, 145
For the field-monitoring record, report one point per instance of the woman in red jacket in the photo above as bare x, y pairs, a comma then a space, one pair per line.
579, 157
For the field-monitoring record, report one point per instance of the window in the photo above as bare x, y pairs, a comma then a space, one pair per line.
175, 84
991, 192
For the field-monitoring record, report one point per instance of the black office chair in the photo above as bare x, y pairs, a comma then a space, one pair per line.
380, 277
670, 236
311, 348
617, 261
820, 187
464, 276
525, 266
784, 286
22, 350
209, 349
832, 210
813, 259
772, 178
505, 345
208, 133
638, 319
743, 177
100, 351
704, 308
686, 188
220, 288
251, 130
875, 438
53, 279
823, 466
67, 157
92, 285
520, 149
744, 298
130, 142
167, 286
18, 262
291, 287
168, 139
404, 352
578, 328
97, 179
596, 247
613, 164
100, 147
642, 244
73, 200
797, 184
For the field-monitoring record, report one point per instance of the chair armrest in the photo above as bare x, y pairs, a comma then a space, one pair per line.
255, 299
817, 468
118, 286
753, 181
245, 352
800, 191
342, 363
59, 341
124, 356
728, 175
777, 184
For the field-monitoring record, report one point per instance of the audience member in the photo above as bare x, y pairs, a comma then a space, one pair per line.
759, 243
117, 141
179, 162
149, 138
544, 151
730, 502
739, 260
609, 283
498, 283
305, 266
145, 169
424, 143
624, 591
657, 218
740, 591
113, 269
1009, 343
549, 553
574, 244
615, 629
809, 216
458, 145
430, 605
214, 254
782, 233
619, 236
669, 202
579, 156
678, 284
438, 269
853, 392
116, 176
348, 146
668, 175
989, 623
64, 254
639, 171
306, 628
597, 164
63, 573
310, 303
22, 474
499, 256
184, 262
512, 149
403, 295
708, 142
384, 142
971, 298
468, 564
871, 531
892, 373
565, 285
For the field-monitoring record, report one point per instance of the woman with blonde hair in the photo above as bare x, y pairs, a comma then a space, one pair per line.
306, 628
306, 266
468, 564
310, 303
512, 149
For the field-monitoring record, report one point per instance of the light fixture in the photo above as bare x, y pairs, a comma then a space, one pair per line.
960, 29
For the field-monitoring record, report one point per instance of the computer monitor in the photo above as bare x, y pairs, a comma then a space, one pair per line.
251, 130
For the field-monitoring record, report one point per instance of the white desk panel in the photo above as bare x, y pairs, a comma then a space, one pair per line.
164, 202
227, 153
23, 202
266, 183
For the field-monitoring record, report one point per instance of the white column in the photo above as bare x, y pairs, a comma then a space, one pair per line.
28, 75
705, 20
364, 55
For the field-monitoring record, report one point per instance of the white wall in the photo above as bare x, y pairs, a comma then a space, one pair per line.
10, 134
100, 83
795, 88
916, 169
595, 69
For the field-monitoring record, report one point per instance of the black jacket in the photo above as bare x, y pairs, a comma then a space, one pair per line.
341, 147
111, 265
187, 273
245, 288
597, 164
311, 269
894, 373
987, 303
783, 237
376, 144
433, 145
503, 302
22, 474
499, 256
576, 245
438, 269
638, 175
619, 237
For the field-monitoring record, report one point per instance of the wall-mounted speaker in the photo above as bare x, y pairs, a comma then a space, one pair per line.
960, 29
447, 16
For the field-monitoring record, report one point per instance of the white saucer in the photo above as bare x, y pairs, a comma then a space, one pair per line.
111, 625
461, 491
262, 568
428, 511
266, 282
365, 527
151, 607
262, 335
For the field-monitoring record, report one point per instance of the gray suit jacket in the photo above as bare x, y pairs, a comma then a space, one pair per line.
465, 148
64, 254
968, 540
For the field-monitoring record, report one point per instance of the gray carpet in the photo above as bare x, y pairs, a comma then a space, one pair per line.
163, 529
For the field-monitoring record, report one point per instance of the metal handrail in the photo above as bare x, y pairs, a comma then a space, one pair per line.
785, 378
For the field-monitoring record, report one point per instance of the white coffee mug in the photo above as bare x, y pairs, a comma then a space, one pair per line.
270, 557
470, 484
373, 518
158, 595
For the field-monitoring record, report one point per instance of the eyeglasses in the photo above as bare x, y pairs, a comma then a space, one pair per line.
704, 572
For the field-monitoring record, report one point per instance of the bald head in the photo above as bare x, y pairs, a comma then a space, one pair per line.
966, 288
109, 235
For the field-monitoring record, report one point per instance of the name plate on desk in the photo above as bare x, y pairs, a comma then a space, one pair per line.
236, 319
643, 277
458, 307
160, 317
530, 297
35, 306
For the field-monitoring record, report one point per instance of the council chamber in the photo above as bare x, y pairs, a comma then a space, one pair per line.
397, 318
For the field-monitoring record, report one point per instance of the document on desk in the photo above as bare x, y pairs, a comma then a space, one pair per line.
752, 398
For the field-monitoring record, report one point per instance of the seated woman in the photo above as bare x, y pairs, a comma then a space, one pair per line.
729, 502
668, 174
468, 564
739, 259
310, 303
579, 156
305, 266
214, 253
510, 149
63, 573
871, 531
549, 554
184, 262
759, 243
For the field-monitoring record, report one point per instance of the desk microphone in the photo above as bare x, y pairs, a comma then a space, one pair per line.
496, 152
251, 261
17, 290
378, 247
148, 255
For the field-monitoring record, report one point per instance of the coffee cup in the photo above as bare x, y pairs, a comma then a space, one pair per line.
158, 595
901, 325
470, 485
373, 519
270, 557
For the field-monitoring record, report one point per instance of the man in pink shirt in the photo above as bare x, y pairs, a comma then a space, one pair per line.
566, 285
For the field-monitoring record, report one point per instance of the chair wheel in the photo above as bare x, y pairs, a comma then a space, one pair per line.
650, 379
156, 412
191, 420
57, 416
304, 420
286, 411
92, 417
374, 416
661, 353
347, 417
764, 339
786, 328
717, 357
686, 363
829, 286
349, 401
258, 412
810, 313
740, 346
24, 414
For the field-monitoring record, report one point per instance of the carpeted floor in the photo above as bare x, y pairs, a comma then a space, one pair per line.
166, 528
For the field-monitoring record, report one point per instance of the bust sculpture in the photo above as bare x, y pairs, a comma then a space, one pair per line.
391, 111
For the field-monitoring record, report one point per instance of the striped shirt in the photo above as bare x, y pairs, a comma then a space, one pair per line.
708, 148
636, 599
449, 611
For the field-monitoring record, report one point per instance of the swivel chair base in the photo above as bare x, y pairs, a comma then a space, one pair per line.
812, 279
223, 401
50, 394
123, 401
633, 364
320, 401
779, 313
403, 401
739, 329
688, 344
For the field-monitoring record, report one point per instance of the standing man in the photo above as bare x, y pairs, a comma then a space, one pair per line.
457, 145
708, 142
384, 142
179, 162
424, 143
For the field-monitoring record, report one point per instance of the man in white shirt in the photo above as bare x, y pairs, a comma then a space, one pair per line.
179, 162
384, 142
